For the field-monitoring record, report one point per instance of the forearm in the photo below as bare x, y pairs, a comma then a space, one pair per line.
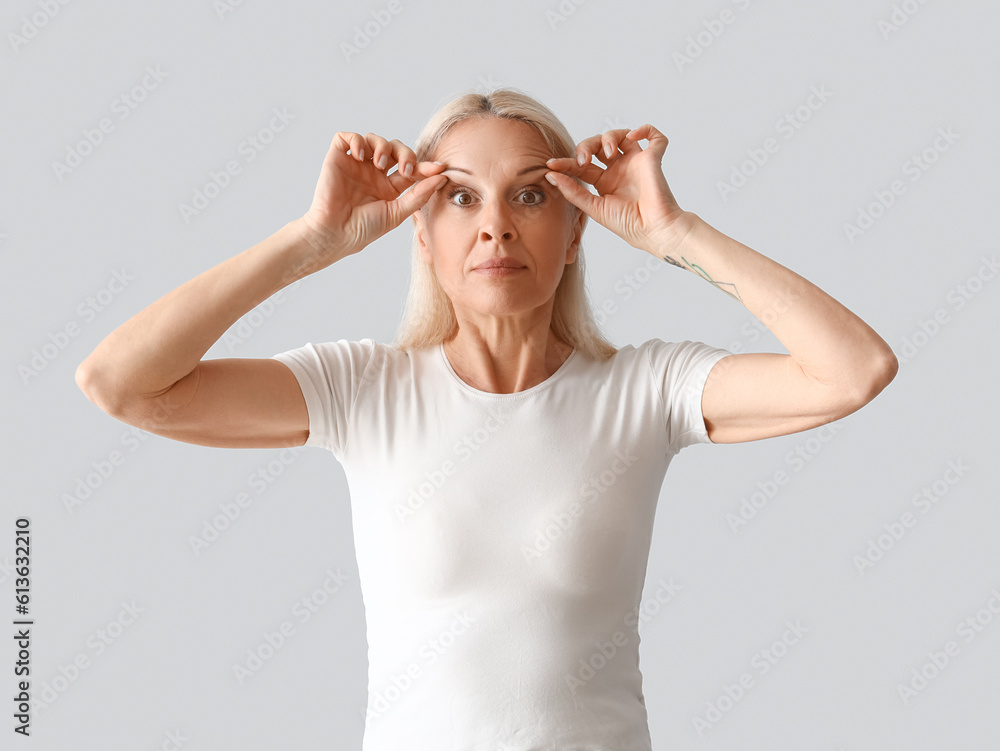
830, 343
164, 342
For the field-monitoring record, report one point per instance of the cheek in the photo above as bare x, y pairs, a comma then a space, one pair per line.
444, 221
440, 230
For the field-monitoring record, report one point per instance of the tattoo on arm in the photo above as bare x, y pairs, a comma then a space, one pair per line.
735, 294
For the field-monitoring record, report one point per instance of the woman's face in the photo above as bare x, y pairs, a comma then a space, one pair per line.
489, 209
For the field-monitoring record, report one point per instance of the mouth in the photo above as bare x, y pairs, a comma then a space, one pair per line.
499, 263
493, 268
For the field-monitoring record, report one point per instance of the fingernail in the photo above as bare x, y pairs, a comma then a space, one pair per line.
551, 178
382, 161
581, 159
408, 169
607, 150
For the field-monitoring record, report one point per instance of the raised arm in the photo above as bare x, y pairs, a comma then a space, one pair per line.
149, 371
835, 363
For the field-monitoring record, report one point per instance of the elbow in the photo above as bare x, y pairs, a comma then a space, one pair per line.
883, 372
94, 386
890, 367
84, 377
870, 384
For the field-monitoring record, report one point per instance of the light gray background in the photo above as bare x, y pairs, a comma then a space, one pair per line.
171, 670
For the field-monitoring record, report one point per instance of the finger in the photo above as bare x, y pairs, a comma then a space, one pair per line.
414, 170
414, 198
611, 140
589, 173
657, 141
626, 144
403, 156
587, 148
395, 152
354, 143
575, 193
381, 150
343, 143
423, 170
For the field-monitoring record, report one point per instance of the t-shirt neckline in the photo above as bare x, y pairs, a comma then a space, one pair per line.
560, 371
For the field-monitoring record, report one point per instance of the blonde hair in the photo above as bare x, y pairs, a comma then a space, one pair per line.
428, 315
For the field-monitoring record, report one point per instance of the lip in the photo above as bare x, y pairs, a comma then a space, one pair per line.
509, 263
499, 267
498, 270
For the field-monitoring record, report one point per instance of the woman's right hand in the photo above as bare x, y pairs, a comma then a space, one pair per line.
356, 201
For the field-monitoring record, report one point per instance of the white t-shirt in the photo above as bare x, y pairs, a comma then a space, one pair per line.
502, 539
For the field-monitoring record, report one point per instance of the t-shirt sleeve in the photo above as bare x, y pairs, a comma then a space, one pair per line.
680, 370
330, 375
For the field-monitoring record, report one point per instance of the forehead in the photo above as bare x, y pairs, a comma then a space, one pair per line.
480, 142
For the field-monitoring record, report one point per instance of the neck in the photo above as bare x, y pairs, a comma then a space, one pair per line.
505, 367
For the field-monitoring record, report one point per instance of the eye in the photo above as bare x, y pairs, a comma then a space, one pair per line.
460, 191
539, 197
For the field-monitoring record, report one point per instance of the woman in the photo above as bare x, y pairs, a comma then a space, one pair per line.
504, 460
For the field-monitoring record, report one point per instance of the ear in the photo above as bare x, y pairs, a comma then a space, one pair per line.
579, 224
419, 230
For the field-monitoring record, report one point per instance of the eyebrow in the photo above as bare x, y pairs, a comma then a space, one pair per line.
525, 171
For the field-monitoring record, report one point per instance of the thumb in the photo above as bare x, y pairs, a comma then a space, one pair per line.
414, 198
575, 193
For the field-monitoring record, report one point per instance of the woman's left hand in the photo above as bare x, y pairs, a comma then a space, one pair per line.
634, 200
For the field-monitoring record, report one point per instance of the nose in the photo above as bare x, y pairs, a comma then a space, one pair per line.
497, 222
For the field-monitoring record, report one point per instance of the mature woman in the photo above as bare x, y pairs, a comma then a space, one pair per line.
504, 460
